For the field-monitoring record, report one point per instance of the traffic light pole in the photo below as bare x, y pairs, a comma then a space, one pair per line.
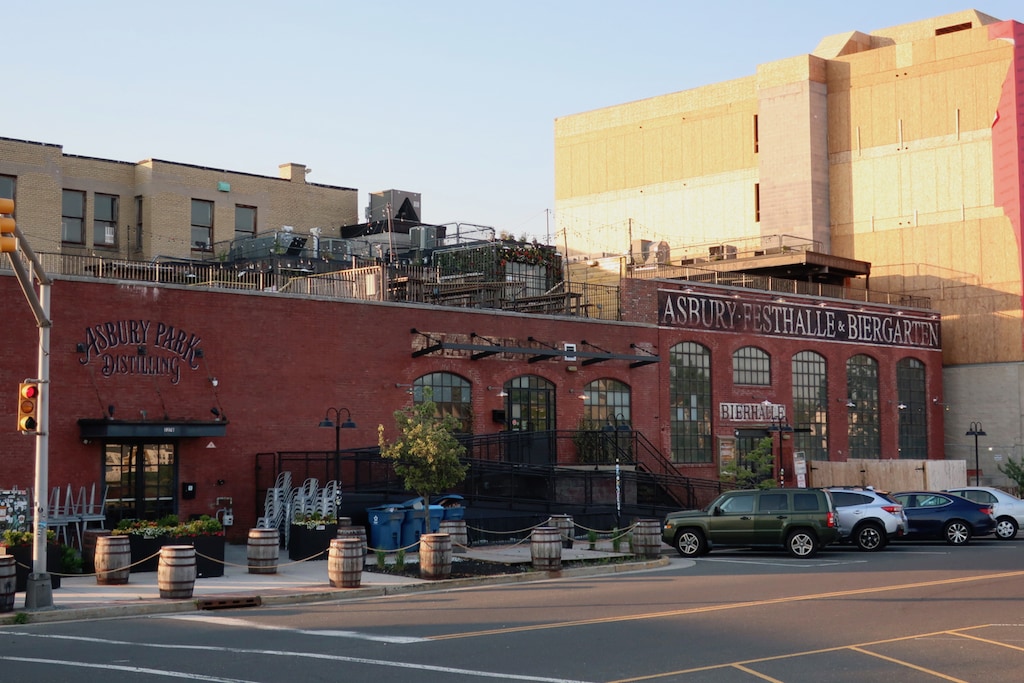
38, 591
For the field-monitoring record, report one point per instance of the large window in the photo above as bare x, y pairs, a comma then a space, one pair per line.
202, 225
138, 222
910, 384
141, 477
245, 221
690, 402
751, 365
862, 418
607, 403
810, 399
72, 217
104, 221
450, 393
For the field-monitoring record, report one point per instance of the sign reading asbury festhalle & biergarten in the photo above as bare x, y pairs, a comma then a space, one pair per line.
710, 313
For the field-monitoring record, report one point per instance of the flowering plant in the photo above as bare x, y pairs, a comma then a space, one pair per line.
169, 526
12, 538
312, 520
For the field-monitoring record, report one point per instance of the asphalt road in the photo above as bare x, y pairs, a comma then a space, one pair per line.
914, 612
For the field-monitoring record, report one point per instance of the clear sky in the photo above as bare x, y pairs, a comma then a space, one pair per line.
454, 99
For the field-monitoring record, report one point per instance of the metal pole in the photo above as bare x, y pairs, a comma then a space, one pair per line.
976, 430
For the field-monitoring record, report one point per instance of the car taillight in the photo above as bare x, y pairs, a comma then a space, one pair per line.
831, 520
985, 510
893, 509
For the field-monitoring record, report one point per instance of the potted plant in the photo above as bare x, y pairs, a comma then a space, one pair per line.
310, 536
19, 545
146, 537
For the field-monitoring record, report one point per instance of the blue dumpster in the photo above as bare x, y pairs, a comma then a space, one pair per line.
412, 523
452, 504
385, 526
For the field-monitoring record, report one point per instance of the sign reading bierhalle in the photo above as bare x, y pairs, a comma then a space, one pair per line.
698, 311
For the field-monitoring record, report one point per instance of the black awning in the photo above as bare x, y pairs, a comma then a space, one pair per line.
150, 429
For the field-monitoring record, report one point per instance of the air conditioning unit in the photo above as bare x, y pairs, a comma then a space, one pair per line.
423, 237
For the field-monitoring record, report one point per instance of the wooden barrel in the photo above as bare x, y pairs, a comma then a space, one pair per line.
89, 537
262, 550
344, 521
646, 540
358, 531
457, 529
546, 548
112, 560
345, 559
435, 556
8, 579
176, 571
566, 528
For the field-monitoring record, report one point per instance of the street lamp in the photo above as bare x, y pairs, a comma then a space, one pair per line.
975, 430
338, 426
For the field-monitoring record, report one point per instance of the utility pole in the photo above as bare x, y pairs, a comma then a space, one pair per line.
38, 592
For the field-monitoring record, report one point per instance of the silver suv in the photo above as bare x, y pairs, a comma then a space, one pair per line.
867, 517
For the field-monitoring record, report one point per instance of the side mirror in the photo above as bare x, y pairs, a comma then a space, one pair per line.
716, 511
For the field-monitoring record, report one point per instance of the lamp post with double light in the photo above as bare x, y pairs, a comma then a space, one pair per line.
975, 430
338, 426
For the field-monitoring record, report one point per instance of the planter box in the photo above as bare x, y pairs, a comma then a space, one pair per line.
23, 562
148, 549
310, 544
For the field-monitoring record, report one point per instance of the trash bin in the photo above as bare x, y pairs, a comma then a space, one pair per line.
385, 526
436, 515
412, 526
453, 506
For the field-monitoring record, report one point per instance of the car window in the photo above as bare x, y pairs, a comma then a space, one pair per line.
932, 501
740, 503
773, 502
979, 496
805, 502
847, 498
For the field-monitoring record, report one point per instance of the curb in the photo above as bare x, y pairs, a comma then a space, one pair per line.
164, 606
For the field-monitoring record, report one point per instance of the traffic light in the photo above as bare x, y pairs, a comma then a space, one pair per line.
8, 242
28, 406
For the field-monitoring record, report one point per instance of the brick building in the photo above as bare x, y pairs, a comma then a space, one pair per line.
900, 148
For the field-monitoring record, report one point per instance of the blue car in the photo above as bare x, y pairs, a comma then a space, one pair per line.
944, 516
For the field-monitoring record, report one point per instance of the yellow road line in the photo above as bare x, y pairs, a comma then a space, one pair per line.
915, 667
718, 608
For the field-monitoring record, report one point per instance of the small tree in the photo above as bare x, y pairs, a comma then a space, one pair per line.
426, 453
756, 469
1014, 470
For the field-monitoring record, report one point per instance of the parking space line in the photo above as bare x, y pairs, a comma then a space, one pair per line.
908, 665
987, 640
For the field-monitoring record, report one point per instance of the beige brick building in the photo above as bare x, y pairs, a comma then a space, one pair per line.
82, 205
901, 148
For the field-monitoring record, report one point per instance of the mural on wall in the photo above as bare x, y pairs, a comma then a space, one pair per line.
121, 347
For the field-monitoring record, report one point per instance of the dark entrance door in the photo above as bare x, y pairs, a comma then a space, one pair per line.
530, 420
141, 477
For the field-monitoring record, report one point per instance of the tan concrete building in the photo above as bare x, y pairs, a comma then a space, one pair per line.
83, 205
901, 148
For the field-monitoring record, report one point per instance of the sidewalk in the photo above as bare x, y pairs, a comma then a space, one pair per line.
80, 597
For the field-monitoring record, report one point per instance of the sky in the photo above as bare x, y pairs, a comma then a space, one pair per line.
455, 100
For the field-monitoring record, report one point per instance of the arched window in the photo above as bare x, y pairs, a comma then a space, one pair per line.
607, 402
912, 409
690, 402
752, 366
450, 393
810, 400
862, 418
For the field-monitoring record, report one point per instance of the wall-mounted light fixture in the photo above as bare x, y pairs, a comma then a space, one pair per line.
214, 381
850, 403
579, 394
500, 394
937, 402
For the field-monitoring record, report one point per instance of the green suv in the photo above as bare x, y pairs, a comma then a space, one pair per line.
800, 520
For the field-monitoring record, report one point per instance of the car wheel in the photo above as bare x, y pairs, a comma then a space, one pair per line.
691, 543
870, 538
1006, 528
958, 532
802, 544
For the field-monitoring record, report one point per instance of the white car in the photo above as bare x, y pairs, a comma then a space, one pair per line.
1008, 510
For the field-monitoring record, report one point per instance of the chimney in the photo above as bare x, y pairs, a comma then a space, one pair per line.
293, 172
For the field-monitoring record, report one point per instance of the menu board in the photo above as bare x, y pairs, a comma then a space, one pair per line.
14, 513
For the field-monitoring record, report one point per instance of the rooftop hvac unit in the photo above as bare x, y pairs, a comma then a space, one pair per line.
423, 237
396, 204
